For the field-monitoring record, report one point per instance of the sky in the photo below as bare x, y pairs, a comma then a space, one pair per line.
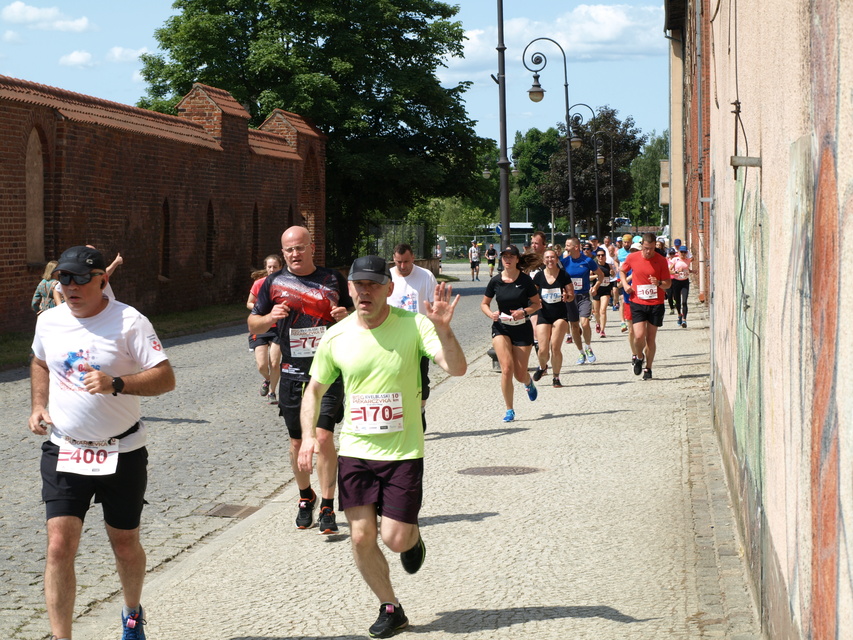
616, 54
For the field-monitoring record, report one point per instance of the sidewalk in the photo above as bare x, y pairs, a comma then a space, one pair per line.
600, 513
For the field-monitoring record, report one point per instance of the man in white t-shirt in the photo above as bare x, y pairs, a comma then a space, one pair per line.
474, 257
93, 358
414, 286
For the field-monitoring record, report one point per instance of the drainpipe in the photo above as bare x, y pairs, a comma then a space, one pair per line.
701, 165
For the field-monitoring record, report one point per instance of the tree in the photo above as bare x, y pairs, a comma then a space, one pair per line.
532, 153
645, 206
364, 71
627, 142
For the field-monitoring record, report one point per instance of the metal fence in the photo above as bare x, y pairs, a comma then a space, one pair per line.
385, 236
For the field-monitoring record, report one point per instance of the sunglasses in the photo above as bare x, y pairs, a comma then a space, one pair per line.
65, 278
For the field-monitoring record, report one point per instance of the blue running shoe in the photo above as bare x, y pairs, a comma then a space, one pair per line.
510, 415
532, 393
132, 626
590, 356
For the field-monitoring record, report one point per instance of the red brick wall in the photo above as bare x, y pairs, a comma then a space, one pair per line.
106, 187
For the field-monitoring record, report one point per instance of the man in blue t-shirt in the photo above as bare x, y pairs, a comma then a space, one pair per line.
579, 267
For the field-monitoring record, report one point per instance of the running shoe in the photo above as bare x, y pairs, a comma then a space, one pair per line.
532, 393
510, 415
265, 388
272, 399
557, 384
581, 358
537, 375
305, 517
647, 374
391, 619
413, 559
598, 328
624, 326
590, 356
672, 311
678, 322
615, 307
132, 626
638, 365
569, 338
684, 324
326, 522
603, 335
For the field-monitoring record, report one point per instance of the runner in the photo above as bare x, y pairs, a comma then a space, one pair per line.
93, 358
491, 256
377, 351
414, 286
303, 300
512, 333
474, 257
650, 279
579, 269
671, 255
680, 270
266, 349
601, 298
555, 289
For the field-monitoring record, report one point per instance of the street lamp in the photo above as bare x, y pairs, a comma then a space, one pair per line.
536, 93
503, 161
599, 159
578, 121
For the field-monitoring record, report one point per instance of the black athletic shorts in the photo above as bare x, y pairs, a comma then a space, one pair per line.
424, 377
394, 486
290, 404
652, 313
122, 494
603, 291
261, 339
520, 335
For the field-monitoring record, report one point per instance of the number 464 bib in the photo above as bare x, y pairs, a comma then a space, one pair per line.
373, 413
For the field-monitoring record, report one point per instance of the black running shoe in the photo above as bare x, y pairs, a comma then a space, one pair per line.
391, 619
537, 375
557, 384
647, 374
413, 559
638, 365
326, 522
305, 517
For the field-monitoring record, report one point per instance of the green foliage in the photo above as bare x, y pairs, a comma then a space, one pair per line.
455, 217
627, 142
644, 205
532, 153
364, 71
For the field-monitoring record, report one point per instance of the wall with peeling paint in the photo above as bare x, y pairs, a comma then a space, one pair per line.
781, 286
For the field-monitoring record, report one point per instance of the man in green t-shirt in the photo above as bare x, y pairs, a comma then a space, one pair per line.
378, 350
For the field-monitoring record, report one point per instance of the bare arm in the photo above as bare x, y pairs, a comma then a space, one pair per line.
486, 307
119, 260
261, 324
309, 414
250, 303
155, 381
450, 357
39, 385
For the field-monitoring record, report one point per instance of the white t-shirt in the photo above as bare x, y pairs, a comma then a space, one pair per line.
413, 291
119, 341
474, 254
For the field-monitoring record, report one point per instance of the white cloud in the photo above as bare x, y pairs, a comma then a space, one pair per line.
137, 78
48, 19
12, 37
587, 33
77, 59
121, 54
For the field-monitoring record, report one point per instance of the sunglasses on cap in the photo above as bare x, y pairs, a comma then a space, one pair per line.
65, 278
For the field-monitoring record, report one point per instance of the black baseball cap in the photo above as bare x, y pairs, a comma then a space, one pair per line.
370, 268
81, 260
512, 250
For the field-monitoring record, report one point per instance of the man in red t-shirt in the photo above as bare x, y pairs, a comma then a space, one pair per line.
649, 283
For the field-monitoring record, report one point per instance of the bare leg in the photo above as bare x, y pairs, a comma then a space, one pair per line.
586, 330
639, 338
275, 366
262, 360
130, 563
651, 344
368, 556
327, 463
543, 335
521, 358
603, 305
503, 349
60, 581
576, 335
303, 478
558, 333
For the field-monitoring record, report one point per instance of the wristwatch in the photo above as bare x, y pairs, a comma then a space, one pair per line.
526, 315
118, 386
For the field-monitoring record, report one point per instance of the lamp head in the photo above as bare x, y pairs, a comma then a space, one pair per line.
536, 92
599, 159
576, 142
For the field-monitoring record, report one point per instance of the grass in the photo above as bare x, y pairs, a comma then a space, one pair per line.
15, 347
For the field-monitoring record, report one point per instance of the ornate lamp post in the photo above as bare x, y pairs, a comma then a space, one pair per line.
503, 161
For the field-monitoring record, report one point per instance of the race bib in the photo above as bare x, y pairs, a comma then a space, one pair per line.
605, 281
373, 413
508, 320
551, 295
304, 342
647, 292
577, 283
88, 458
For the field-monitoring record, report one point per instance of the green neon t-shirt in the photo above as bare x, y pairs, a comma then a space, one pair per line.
382, 383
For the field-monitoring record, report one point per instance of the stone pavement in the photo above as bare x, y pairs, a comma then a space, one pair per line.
601, 512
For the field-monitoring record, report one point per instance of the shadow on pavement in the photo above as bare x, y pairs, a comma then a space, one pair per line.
472, 620
174, 420
468, 434
460, 517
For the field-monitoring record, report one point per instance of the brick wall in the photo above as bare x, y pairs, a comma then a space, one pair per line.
110, 168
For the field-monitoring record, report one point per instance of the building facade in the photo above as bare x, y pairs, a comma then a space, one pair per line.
766, 152
192, 202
